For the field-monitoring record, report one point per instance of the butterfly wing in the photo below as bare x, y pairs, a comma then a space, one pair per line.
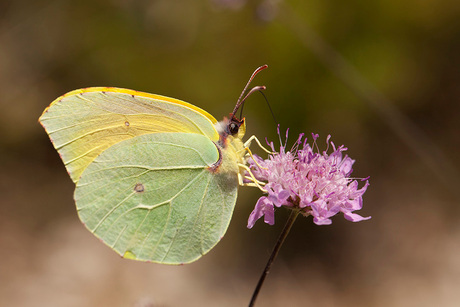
151, 180
83, 123
154, 197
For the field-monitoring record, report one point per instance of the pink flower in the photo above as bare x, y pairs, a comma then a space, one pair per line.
315, 183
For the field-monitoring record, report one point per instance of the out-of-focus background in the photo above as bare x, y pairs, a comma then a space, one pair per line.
382, 77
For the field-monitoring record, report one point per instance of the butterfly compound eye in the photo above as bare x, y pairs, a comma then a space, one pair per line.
233, 128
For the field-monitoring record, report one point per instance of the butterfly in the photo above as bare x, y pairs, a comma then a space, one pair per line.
156, 177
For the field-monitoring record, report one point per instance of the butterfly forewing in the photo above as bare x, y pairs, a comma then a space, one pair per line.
83, 123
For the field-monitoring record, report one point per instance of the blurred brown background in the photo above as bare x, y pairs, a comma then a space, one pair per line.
326, 61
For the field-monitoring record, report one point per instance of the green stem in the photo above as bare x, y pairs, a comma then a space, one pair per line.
276, 249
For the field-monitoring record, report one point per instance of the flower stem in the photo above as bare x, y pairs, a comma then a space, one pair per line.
276, 249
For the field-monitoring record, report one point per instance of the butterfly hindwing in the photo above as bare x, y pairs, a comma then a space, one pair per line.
155, 198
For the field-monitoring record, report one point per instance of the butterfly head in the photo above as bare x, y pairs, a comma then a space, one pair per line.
230, 127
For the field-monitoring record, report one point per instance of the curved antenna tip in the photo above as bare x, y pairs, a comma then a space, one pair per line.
241, 99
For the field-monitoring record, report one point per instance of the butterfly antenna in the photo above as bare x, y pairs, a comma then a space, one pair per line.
254, 89
257, 88
269, 107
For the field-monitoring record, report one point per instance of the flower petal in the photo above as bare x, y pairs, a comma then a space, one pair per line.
355, 217
263, 207
322, 221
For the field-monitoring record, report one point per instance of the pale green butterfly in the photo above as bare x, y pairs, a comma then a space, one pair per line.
156, 178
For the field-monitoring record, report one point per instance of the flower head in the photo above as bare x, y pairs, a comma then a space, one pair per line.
314, 182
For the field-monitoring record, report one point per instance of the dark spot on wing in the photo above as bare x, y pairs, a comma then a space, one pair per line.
139, 188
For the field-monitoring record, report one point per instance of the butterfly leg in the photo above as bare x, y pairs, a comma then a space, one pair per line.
249, 152
254, 183
254, 138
